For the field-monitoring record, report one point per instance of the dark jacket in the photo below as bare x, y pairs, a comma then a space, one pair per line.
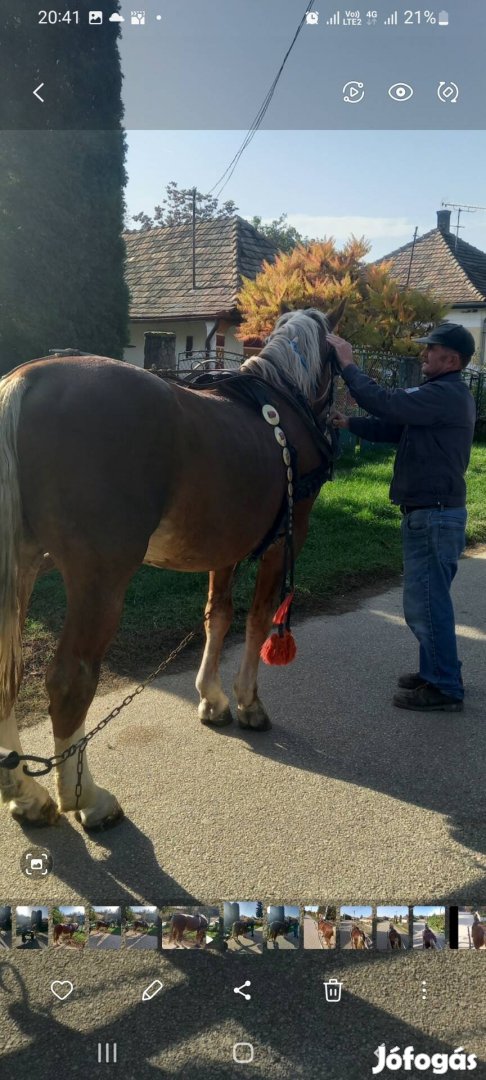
433, 425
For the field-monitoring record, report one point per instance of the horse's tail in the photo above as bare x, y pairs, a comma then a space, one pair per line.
11, 391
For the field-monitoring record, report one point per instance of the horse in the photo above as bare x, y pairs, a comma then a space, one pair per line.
243, 926
62, 930
478, 932
394, 938
429, 940
103, 467
359, 939
326, 931
139, 924
180, 922
278, 926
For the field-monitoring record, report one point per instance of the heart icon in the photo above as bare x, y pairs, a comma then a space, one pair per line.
62, 990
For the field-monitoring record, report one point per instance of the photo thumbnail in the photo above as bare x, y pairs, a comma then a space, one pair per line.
472, 928
428, 927
5, 926
69, 928
282, 926
191, 927
141, 926
104, 926
320, 926
392, 930
243, 926
356, 927
31, 927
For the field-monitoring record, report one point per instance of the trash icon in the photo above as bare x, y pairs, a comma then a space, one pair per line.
333, 990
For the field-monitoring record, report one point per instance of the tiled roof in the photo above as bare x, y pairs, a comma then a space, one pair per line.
159, 268
452, 269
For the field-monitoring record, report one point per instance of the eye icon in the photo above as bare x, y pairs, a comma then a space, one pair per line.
400, 91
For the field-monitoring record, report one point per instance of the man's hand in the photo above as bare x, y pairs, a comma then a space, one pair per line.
339, 420
343, 348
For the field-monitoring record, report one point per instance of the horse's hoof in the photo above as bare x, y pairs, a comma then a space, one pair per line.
254, 718
224, 718
108, 822
47, 815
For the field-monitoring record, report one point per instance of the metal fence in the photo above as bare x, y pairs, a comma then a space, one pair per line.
387, 369
403, 371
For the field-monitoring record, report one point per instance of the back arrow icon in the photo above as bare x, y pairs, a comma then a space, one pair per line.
36, 92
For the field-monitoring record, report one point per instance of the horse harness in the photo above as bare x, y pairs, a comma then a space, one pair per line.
259, 395
255, 392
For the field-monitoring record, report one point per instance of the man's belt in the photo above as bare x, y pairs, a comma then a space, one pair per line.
407, 509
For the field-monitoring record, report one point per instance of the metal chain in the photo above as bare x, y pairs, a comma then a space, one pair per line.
56, 759
80, 746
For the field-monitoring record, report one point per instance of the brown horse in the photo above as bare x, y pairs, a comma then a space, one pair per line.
180, 922
478, 933
104, 467
394, 938
64, 930
429, 940
358, 938
326, 932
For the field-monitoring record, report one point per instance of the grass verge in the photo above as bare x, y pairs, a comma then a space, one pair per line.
353, 545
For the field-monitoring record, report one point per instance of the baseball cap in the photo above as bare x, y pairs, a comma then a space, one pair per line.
452, 336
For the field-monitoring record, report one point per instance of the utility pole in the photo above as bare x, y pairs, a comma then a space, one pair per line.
194, 238
414, 241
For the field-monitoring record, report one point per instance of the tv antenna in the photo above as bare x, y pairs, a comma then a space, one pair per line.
462, 208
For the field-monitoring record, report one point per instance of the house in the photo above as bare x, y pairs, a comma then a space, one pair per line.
187, 285
453, 270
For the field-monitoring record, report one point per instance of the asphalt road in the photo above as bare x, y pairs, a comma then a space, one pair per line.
345, 932
418, 929
317, 810
221, 818
382, 929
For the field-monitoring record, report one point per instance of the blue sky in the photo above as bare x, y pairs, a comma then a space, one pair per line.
357, 912
427, 910
377, 183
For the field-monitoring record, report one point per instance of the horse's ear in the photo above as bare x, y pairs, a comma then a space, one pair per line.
333, 317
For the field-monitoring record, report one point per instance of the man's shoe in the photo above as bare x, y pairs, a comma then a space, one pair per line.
427, 698
411, 681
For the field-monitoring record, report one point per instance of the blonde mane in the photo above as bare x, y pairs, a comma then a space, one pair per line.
293, 351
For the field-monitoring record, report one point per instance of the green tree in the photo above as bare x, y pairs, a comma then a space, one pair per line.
176, 208
380, 313
61, 194
284, 236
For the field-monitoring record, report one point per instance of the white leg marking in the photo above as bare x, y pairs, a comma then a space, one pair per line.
23, 794
96, 804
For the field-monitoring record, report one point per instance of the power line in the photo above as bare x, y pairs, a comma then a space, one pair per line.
256, 123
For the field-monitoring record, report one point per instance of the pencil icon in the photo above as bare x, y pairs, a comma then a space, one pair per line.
152, 989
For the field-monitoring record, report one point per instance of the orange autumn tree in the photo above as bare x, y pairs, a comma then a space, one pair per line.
379, 312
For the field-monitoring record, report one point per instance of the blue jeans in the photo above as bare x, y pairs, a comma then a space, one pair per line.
433, 540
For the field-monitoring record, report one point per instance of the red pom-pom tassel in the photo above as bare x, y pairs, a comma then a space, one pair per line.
282, 614
279, 649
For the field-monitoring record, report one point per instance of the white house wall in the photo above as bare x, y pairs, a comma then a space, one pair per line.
195, 329
473, 319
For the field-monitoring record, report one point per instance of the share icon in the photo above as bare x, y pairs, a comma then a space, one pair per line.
239, 990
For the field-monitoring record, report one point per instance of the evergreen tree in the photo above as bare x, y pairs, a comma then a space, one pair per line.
61, 194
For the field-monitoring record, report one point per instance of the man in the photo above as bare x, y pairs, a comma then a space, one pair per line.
433, 425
